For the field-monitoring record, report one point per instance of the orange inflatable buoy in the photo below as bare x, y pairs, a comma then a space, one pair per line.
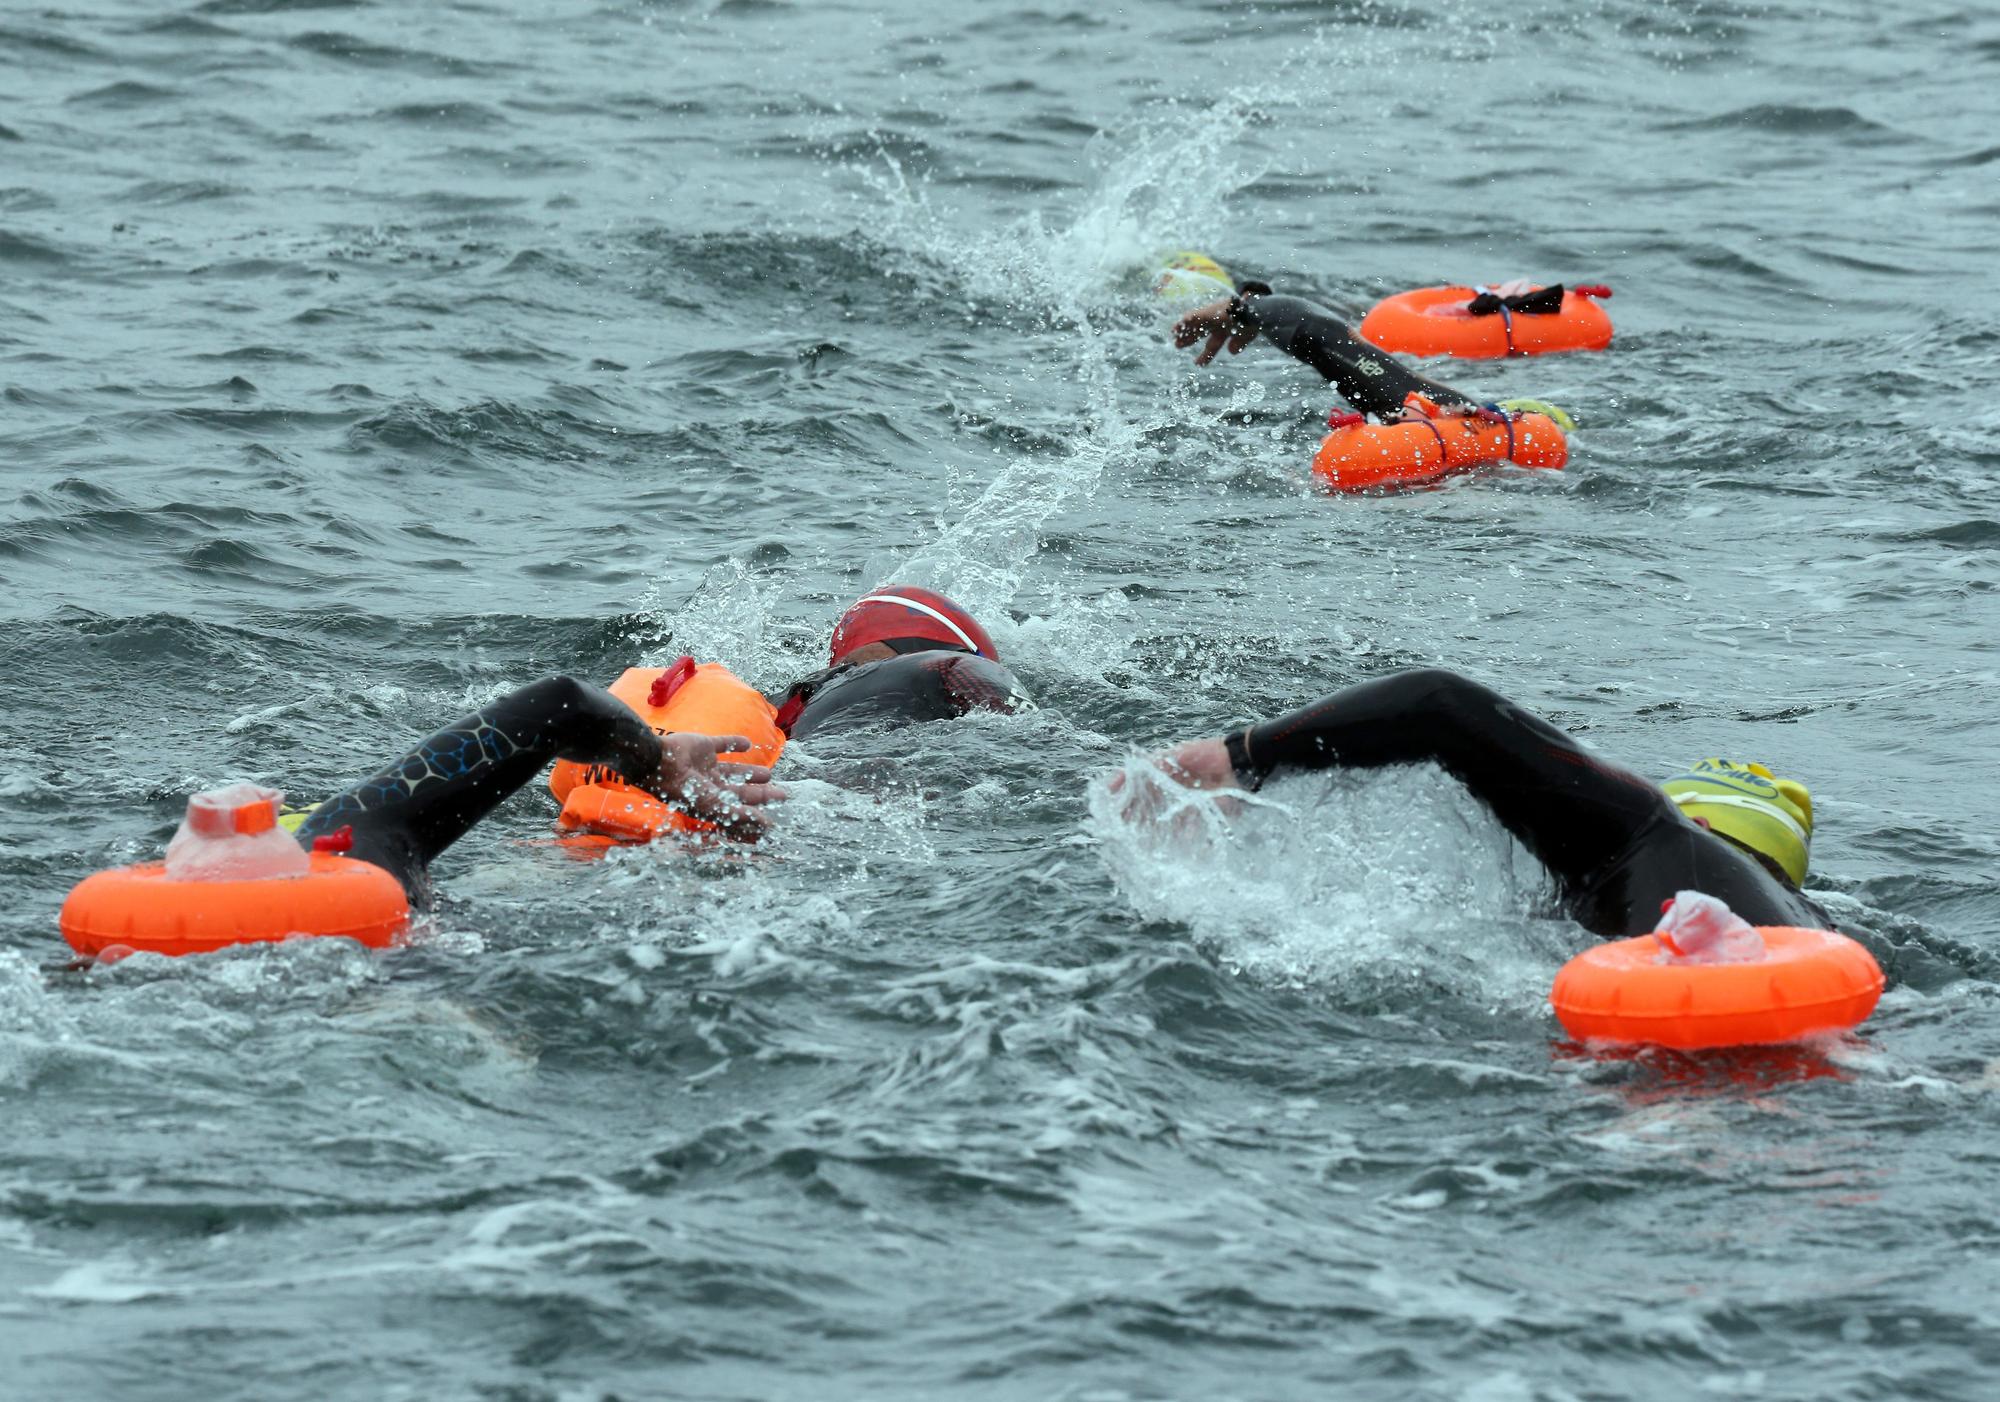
142, 908
1435, 321
623, 813
1808, 981
1358, 456
706, 698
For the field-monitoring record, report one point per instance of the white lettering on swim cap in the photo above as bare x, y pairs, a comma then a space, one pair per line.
1744, 800
956, 631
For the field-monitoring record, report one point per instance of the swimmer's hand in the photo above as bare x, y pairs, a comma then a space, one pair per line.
1198, 764
694, 780
1219, 325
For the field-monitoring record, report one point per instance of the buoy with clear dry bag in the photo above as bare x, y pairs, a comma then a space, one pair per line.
1480, 323
1743, 986
234, 876
705, 698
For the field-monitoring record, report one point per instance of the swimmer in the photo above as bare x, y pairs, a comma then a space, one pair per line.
1372, 381
1617, 845
403, 817
898, 656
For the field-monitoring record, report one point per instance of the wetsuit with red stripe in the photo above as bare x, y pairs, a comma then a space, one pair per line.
1617, 845
932, 684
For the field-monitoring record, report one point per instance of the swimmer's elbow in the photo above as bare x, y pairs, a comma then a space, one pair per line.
553, 708
560, 691
1439, 689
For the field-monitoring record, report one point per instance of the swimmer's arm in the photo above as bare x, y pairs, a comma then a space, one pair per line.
407, 814
1369, 379
1567, 806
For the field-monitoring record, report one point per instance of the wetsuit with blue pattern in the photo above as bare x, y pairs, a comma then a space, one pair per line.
403, 817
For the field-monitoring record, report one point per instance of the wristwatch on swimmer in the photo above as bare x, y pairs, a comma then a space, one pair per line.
1237, 745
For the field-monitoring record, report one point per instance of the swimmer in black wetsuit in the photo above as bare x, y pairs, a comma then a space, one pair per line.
902, 655
403, 817
1373, 381
1617, 845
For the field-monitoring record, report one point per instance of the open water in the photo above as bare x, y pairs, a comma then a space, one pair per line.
359, 361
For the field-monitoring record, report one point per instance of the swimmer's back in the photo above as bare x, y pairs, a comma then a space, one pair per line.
1671, 855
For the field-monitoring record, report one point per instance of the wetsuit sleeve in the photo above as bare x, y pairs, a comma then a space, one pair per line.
406, 815
1572, 810
1369, 379
979, 684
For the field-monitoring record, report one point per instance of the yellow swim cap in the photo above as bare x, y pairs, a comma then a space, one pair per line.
1749, 805
1191, 277
1541, 406
1193, 262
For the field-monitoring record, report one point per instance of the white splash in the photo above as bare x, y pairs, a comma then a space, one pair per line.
1378, 882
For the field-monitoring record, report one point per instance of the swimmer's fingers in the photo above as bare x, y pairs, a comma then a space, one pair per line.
1191, 328
732, 772
695, 753
1216, 341
752, 787
1141, 794
756, 793
733, 819
690, 765
1202, 321
740, 775
1199, 764
732, 808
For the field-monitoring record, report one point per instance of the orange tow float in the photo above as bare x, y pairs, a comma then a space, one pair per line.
703, 697
1358, 456
1439, 321
1631, 991
234, 876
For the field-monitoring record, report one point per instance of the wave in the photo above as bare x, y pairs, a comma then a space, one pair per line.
351, 49
1793, 120
125, 94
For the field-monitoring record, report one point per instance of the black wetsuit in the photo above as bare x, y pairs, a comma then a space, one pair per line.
1369, 379
934, 684
406, 815
1616, 844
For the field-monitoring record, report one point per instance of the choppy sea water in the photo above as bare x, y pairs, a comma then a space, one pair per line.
362, 361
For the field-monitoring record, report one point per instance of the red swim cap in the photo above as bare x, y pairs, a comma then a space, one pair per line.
901, 612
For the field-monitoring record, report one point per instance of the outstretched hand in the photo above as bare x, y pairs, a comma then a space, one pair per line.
694, 779
1215, 322
1197, 764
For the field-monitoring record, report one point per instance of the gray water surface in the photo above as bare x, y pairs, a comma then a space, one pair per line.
362, 361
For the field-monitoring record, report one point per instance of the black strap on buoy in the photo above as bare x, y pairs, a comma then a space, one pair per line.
1444, 453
